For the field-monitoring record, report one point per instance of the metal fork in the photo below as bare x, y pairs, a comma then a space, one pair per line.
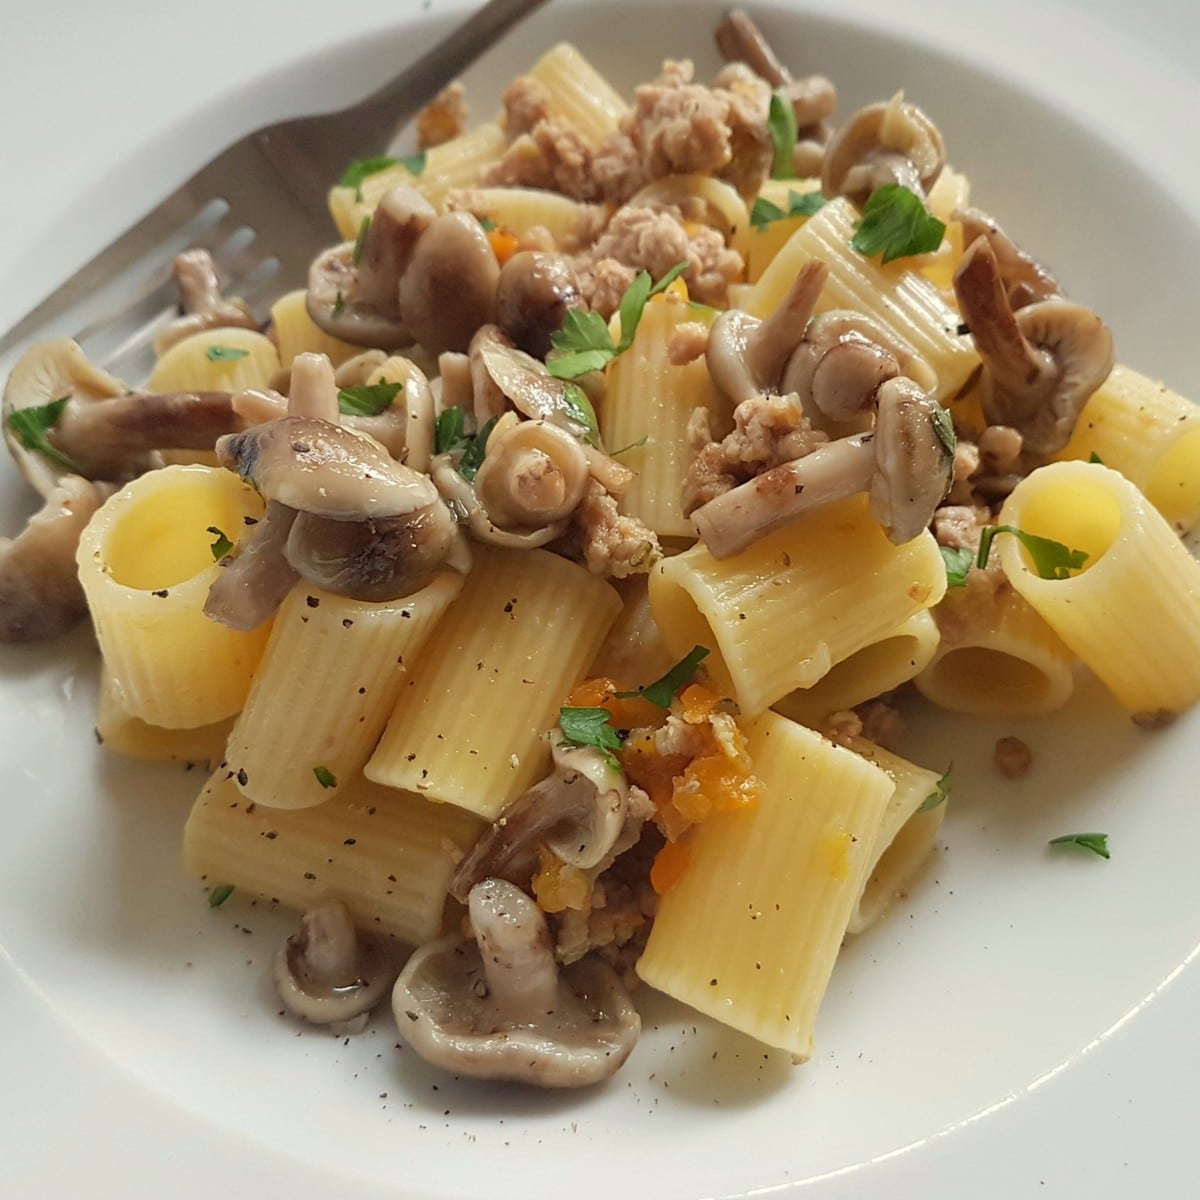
260, 207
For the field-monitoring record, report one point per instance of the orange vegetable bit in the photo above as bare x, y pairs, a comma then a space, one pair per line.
697, 702
504, 244
669, 865
628, 713
654, 773
559, 886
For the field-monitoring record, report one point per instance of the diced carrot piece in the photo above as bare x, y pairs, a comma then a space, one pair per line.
668, 867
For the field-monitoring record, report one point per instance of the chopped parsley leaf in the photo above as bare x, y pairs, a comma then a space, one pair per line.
662, 691
584, 343
225, 353
219, 895
369, 400
1095, 458
591, 727
800, 204
489, 226
30, 426
221, 545
632, 446
358, 242
339, 306
360, 168
1097, 843
781, 125
578, 408
896, 224
943, 426
958, 563
473, 454
1051, 559
449, 431
325, 777
940, 793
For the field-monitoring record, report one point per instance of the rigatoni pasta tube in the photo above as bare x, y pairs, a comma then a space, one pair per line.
469, 726
877, 668
1132, 612
750, 932
906, 833
778, 615
902, 300
997, 656
1150, 434
146, 564
388, 856
578, 93
648, 401
325, 688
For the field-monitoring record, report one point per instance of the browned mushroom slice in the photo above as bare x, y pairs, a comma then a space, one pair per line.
579, 811
906, 465
499, 1007
1025, 279
448, 290
204, 305
1042, 363
535, 291
888, 142
40, 594
254, 581
330, 973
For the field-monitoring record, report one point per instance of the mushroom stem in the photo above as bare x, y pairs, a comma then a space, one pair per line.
773, 341
1017, 368
255, 581
330, 945
514, 943
731, 522
739, 39
313, 392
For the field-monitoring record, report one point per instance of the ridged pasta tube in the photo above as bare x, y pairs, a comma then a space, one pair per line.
578, 93
386, 855
146, 564
750, 932
325, 688
1132, 612
469, 726
777, 616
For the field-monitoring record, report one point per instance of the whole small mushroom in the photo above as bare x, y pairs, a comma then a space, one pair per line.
332, 974
906, 465
499, 1007
535, 291
1042, 363
204, 304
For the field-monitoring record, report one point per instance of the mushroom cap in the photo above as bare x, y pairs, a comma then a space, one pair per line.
44, 373
331, 974
500, 1013
397, 225
888, 142
449, 288
332, 281
914, 459
534, 292
322, 468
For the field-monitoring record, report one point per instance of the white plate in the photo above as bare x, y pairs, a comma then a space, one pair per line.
1023, 1024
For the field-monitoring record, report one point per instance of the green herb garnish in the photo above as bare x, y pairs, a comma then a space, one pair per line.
325, 777
221, 546
578, 408
958, 563
584, 343
449, 431
225, 353
476, 449
943, 426
360, 168
940, 793
662, 691
1097, 843
489, 226
1095, 458
781, 125
632, 446
360, 240
339, 306
219, 895
369, 400
1051, 559
800, 204
30, 426
896, 224
591, 727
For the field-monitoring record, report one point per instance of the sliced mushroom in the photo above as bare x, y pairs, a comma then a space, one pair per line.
331, 974
254, 582
462, 499
535, 291
40, 593
888, 142
906, 465
579, 811
448, 289
1025, 279
533, 474
204, 305
499, 1008
1042, 363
